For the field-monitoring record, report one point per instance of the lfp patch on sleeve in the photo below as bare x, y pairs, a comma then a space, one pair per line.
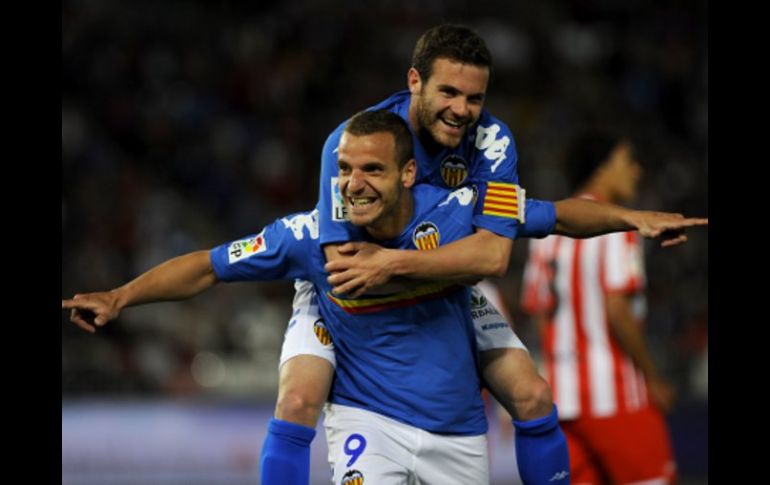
244, 248
504, 200
339, 212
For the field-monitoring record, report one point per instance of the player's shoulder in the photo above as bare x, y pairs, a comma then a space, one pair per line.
428, 196
392, 102
438, 200
300, 225
462, 197
492, 133
396, 103
488, 121
441, 215
493, 141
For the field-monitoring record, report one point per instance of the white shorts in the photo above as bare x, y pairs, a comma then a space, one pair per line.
307, 333
366, 447
493, 330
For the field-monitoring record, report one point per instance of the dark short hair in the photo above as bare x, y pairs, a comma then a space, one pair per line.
370, 122
453, 42
587, 152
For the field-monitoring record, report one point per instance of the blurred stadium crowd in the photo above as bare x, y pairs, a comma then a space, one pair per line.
186, 124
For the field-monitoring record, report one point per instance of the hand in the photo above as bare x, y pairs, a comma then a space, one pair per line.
669, 226
92, 310
662, 393
363, 267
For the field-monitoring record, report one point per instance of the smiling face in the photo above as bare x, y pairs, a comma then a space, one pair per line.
447, 102
373, 186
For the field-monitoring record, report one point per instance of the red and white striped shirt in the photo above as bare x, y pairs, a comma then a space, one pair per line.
568, 279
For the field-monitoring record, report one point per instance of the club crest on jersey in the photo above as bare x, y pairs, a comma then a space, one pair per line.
353, 477
244, 248
321, 332
454, 170
426, 236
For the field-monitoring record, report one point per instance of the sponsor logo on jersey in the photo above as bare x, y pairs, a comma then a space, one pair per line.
490, 326
353, 477
339, 213
300, 222
480, 308
558, 476
454, 170
244, 248
426, 236
504, 200
321, 332
492, 146
478, 300
463, 196
485, 311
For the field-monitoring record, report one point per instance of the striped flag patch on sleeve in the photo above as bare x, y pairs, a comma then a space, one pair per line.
504, 200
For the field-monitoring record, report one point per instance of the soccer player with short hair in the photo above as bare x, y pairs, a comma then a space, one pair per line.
456, 144
587, 297
405, 404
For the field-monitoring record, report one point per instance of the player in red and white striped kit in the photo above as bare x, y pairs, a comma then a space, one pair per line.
587, 296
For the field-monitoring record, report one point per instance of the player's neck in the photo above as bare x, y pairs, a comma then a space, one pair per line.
393, 225
429, 144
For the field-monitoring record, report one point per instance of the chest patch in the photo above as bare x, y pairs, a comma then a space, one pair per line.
426, 236
454, 171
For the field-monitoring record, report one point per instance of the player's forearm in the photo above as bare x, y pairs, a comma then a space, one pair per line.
176, 279
630, 337
480, 255
583, 218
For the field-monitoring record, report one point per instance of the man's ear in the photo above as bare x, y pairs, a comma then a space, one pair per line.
414, 81
409, 173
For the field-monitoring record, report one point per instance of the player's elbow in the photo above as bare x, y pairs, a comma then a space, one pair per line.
495, 251
499, 257
498, 267
490, 265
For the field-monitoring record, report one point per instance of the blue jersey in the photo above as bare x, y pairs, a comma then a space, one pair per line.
485, 159
410, 356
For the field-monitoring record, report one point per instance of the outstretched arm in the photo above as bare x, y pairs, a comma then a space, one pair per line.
627, 331
176, 279
482, 254
583, 218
